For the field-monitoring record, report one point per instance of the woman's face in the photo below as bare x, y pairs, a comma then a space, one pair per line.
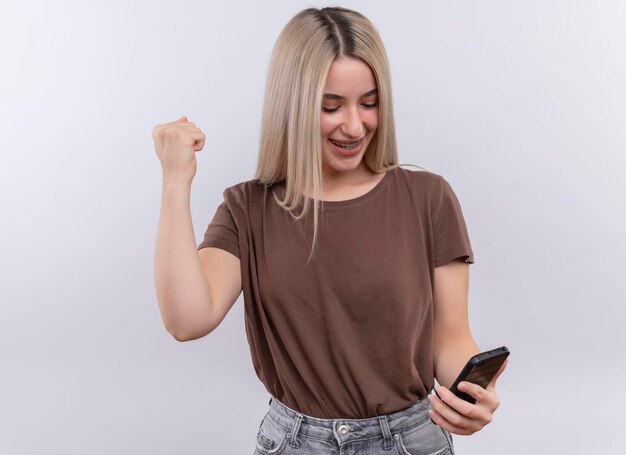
349, 115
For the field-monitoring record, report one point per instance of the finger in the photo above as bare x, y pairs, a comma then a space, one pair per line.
456, 403
482, 396
474, 390
185, 125
448, 413
199, 140
443, 423
492, 384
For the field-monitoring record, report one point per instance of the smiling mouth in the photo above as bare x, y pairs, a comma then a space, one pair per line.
347, 145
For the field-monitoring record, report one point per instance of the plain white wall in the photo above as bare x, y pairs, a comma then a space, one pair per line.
520, 105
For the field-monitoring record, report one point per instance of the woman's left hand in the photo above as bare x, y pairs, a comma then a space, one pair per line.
460, 417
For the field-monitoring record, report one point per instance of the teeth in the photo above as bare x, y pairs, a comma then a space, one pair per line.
346, 146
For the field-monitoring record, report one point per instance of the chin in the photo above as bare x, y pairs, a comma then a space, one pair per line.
344, 165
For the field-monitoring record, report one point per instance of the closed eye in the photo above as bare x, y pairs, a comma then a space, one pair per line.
365, 105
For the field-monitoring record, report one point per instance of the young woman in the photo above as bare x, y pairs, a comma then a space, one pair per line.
354, 270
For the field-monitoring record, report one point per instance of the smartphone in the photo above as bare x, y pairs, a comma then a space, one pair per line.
480, 369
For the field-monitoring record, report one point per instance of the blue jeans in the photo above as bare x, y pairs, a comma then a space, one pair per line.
406, 432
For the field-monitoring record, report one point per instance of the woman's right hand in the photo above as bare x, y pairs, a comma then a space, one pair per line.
175, 144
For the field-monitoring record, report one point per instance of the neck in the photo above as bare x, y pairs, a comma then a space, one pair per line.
332, 178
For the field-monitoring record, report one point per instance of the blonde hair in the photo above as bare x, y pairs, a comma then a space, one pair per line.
290, 140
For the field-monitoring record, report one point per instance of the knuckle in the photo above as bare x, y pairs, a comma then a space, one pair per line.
180, 134
168, 131
455, 420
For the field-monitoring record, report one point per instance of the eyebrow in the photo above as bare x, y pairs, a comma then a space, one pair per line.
332, 96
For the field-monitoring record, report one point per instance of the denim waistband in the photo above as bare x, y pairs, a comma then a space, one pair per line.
345, 430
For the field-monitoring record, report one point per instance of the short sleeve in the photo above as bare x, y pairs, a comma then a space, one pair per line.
222, 231
451, 240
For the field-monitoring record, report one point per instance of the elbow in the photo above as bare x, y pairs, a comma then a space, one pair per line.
187, 336
178, 335
181, 338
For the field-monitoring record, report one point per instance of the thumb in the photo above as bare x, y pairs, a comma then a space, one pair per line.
183, 119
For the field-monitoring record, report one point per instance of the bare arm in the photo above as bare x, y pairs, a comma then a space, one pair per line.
181, 286
195, 289
453, 341
454, 345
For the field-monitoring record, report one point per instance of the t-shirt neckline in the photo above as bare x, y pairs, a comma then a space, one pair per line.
363, 197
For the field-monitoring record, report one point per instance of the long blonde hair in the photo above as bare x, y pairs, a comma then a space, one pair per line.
290, 140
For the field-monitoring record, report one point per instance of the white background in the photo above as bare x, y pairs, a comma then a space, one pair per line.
520, 105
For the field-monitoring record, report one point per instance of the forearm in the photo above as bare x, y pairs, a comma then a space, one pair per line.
181, 287
451, 353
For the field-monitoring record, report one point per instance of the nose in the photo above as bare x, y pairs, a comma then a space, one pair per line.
352, 124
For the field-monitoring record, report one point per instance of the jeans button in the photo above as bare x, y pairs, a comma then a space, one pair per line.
343, 429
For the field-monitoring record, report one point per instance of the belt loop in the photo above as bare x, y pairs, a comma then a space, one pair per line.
294, 430
384, 426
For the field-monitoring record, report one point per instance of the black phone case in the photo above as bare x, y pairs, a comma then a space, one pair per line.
480, 369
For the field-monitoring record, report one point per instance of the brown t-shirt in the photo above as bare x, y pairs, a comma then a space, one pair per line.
349, 335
